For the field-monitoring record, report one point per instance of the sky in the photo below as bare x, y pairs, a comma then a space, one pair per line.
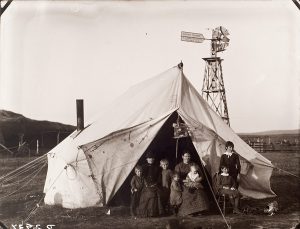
54, 52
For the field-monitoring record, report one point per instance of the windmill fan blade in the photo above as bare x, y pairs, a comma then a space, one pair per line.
218, 28
225, 45
215, 34
224, 31
219, 39
221, 47
225, 39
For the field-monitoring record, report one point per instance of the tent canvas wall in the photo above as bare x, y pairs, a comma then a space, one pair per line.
89, 167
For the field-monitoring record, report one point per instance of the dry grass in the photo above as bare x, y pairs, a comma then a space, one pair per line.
14, 209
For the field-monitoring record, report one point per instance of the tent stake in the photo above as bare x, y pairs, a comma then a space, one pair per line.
177, 148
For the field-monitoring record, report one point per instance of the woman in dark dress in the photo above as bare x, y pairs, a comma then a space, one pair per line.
183, 168
194, 199
150, 202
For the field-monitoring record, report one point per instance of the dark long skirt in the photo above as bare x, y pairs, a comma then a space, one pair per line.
229, 192
150, 203
193, 201
134, 204
164, 197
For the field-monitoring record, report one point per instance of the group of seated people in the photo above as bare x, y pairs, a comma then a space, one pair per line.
158, 191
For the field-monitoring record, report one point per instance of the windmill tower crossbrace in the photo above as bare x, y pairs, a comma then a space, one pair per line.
213, 90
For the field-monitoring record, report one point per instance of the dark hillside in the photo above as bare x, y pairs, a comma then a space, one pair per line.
15, 128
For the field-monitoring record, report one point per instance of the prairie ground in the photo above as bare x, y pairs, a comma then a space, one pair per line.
22, 204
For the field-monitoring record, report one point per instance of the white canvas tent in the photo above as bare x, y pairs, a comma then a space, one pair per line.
88, 168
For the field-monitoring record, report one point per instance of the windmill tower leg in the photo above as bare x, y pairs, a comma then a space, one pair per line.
213, 89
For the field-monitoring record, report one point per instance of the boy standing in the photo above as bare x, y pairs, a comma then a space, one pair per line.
166, 178
231, 160
137, 183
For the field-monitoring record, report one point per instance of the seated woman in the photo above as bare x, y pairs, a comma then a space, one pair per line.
194, 199
227, 186
183, 168
150, 202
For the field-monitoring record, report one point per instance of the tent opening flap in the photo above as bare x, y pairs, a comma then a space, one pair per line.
163, 146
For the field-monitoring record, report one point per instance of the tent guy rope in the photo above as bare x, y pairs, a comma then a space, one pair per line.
41, 158
24, 185
38, 204
21, 172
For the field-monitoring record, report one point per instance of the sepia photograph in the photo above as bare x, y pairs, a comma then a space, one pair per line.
175, 114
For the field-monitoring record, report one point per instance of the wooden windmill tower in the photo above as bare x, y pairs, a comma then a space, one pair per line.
213, 89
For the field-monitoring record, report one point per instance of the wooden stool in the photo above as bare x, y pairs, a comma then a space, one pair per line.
222, 201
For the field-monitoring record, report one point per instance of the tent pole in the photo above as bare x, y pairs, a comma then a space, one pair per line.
177, 148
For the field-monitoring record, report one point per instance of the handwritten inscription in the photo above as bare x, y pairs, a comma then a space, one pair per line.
31, 226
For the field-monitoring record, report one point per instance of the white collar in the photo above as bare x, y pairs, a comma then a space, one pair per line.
228, 153
223, 174
193, 176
